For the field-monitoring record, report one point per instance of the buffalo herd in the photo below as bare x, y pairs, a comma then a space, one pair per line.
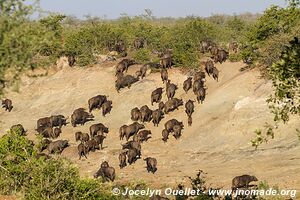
135, 133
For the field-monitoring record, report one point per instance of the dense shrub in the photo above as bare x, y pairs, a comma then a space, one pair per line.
39, 178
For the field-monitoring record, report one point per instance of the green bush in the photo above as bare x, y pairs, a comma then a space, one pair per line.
23, 173
142, 55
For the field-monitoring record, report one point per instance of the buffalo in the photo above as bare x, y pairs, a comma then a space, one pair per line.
165, 135
99, 139
132, 129
143, 71
172, 104
157, 116
164, 75
122, 159
187, 84
106, 172
135, 114
95, 128
7, 104
215, 73
169, 125
58, 120
78, 136
209, 65
156, 95
43, 122
57, 146
151, 164
85, 137
170, 89
242, 181
201, 93
96, 102
166, 62
92, 145
71, 60
132, 145
82, 150
139, 43
132, 155
189, 107
106, 107
199, 75
80, 116
221, 56
19, 129
123, 65
125, 81
143, 135
122, 132
161, 105
146, 114
177, 131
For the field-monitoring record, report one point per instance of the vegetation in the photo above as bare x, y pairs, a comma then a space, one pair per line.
28, 44
271, 41
22, 172
276, 38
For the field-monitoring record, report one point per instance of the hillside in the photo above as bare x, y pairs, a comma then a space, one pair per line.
218, 142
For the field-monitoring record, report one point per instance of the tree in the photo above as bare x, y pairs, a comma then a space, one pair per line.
285, 101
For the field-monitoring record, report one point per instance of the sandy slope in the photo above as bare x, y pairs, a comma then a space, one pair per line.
218, 142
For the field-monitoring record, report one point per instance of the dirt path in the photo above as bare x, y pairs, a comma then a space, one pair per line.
218, 142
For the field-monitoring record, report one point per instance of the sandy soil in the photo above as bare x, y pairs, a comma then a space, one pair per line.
218, 142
